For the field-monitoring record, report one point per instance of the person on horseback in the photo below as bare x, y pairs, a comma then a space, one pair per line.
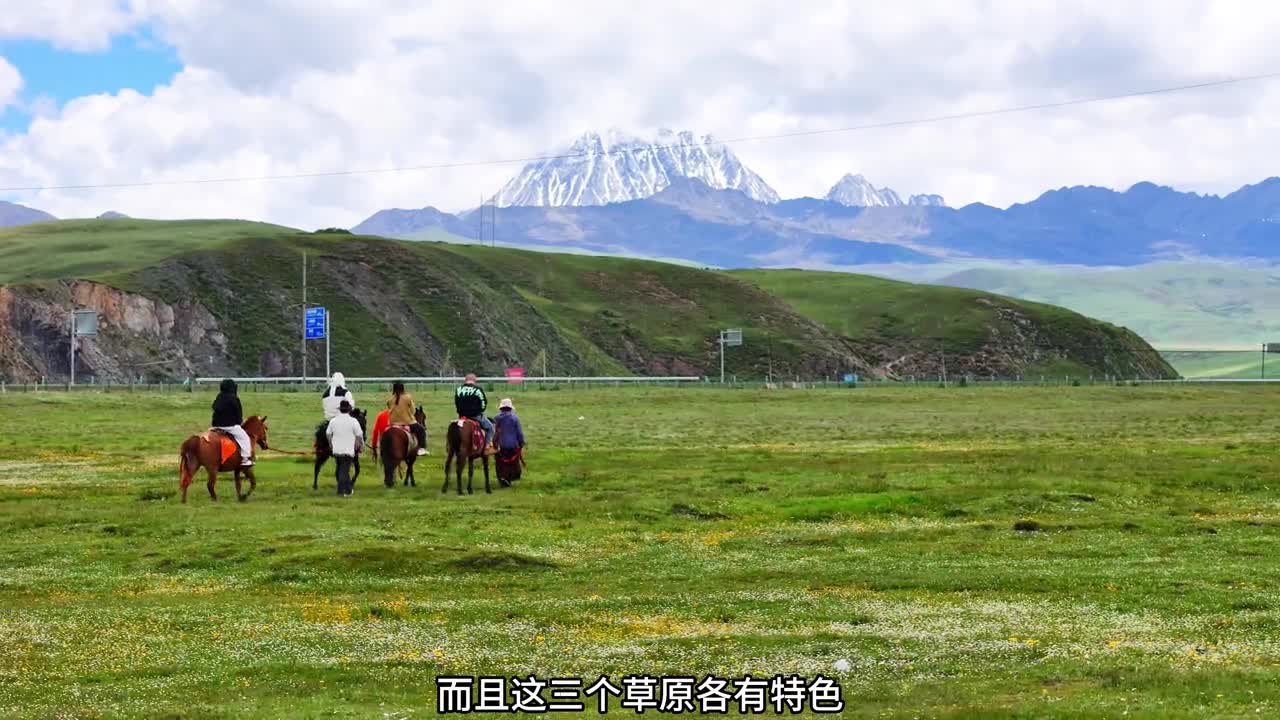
333, 396
227, 418
402, 413
470, 402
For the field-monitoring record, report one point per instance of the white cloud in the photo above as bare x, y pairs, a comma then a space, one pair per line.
73, 24
10, 83
289, 86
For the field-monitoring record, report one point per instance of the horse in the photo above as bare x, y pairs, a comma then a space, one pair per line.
210, 450
324, 452
462, 443
393, 449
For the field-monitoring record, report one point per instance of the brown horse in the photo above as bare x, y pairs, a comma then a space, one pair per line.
393, 449
208, 450
465, 441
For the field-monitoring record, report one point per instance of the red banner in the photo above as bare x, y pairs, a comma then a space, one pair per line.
515, 376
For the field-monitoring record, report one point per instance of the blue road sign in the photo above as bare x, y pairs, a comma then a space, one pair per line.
314, 324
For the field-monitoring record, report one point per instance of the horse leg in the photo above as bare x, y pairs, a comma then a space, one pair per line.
471, 474
321, 457
356, 462
413, 482
253, 482
239, 495
461, 462
448, 465
485, 460
213, 478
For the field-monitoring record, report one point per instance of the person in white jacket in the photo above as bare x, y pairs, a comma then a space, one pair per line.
345, 439
334, 395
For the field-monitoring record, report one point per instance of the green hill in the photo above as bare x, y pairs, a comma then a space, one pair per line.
213, 297
1173, 304
979, 333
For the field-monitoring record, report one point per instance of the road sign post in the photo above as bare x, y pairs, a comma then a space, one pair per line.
315, 326
731, 338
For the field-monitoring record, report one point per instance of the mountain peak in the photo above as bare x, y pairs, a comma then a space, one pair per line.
613, 166
857, 191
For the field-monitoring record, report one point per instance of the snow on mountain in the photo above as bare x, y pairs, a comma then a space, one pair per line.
934, 200
599, 169
857, 191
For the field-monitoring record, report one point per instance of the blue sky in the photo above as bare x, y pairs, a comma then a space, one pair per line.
134, 61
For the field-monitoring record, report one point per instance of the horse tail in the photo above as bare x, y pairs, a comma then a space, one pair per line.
188, 461
387, 458
453, 438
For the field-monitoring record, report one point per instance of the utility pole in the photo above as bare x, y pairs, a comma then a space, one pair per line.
942, 345
1264, 361
327, 333
73, 347
304, 317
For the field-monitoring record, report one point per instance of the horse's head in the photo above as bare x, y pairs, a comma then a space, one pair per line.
256, 428
361, 417
420, 416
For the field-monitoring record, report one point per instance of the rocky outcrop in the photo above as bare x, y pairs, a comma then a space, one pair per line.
138, 337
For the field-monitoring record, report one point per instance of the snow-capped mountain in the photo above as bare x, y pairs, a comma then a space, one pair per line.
857, 191
599, 169
933, 200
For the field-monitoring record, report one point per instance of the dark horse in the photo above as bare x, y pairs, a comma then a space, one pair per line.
393, 449
206, 450
463, 444
324, 452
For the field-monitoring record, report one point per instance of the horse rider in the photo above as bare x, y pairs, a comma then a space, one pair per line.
334, 394
402, 413
470, 402
227, 418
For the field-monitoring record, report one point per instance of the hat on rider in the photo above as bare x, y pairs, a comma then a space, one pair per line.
337, 381
505, 404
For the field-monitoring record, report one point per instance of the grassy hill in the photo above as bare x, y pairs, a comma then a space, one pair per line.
1182, 305
978, 332
224, 296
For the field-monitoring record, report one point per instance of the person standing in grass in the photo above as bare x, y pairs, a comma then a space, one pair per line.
345, 440
509, 436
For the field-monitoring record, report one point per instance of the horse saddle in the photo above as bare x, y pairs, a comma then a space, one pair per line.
477, 432
228, 444
410, 437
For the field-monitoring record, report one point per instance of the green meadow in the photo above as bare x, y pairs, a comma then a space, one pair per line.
1064, 552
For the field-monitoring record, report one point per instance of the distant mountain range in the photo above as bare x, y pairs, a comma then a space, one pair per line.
691, 221
682, 196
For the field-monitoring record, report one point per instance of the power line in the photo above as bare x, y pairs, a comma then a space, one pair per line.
674, 146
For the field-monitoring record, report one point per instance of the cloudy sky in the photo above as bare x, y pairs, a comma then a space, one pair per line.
111, 91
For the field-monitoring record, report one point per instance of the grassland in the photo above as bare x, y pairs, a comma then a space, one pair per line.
996, 552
